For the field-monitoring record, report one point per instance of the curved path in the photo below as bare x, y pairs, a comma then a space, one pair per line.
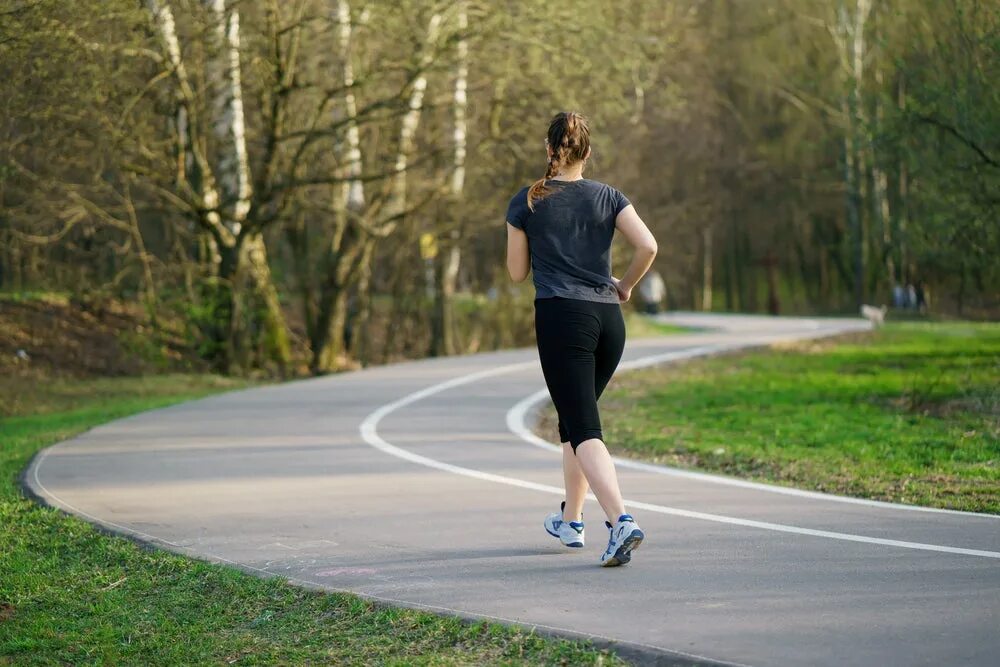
420, 484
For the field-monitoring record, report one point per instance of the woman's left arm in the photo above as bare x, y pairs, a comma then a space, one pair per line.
518, 259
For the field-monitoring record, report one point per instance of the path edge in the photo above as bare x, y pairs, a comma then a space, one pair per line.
632, 653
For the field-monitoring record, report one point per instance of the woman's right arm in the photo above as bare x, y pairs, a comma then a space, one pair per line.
518, 257
641, 239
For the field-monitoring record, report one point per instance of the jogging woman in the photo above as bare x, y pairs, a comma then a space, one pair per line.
560, 229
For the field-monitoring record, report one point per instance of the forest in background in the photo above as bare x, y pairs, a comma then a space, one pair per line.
322, 183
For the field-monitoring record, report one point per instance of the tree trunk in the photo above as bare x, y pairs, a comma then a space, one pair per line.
445, 279
849, 36
224, 75
880, 179
903, 197
360, 345
329, 351
275, 331
443, 328
706, 269
240, 262
354, 189
329, 347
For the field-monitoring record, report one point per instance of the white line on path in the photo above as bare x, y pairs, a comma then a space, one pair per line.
369, 432
202, 554
517, 424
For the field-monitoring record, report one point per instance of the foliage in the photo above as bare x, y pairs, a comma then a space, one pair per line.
790, 155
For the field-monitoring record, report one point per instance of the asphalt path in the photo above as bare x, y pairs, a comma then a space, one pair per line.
420, 484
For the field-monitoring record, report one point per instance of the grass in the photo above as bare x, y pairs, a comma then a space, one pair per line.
643, 326
70, 594
909, 414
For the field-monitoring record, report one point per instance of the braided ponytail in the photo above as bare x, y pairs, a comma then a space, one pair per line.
569, 139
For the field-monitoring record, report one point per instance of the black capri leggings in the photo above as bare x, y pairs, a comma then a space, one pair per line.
579, 344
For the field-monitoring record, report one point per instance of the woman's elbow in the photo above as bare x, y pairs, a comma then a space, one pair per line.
517, 274
649, 247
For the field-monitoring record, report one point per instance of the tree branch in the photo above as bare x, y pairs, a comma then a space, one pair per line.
930, 120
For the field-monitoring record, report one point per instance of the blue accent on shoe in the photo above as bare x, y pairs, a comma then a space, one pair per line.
625, 517
554, 525
623, 554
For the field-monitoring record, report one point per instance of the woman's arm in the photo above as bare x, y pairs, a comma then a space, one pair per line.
638, 235
518, 259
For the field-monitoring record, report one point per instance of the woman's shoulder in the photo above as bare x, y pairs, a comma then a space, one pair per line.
519, 200
521, 194
517, 209
608, 193
601, 185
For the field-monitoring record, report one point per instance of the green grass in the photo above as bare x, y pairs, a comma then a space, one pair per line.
35, 295
638, 325
70, 594
908, 414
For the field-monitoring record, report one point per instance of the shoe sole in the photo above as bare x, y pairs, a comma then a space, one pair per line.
624, 553
574, 545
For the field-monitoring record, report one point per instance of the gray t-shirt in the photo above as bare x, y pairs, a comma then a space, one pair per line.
569, 238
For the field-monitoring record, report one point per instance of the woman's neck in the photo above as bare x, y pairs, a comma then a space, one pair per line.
572, 173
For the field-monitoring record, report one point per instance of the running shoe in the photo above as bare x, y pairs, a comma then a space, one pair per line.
570, 533
625, 538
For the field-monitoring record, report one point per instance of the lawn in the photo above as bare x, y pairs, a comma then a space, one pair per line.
70, 594
638, 325
910, 414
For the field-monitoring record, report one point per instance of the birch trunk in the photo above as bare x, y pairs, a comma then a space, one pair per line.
163, 20
328, 343
354, 189
880, 179
233, 174
443, 325
224, 212
411, 119
859, 122
396, 204
359, 222
849, 38
228, 120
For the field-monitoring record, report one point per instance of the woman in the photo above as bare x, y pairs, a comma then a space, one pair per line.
560, 229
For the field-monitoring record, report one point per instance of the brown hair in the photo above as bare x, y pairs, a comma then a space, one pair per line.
569, 139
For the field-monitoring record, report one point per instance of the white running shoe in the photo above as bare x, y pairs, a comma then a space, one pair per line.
625, 538
570, 533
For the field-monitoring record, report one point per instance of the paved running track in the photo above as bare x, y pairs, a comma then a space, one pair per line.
420, 484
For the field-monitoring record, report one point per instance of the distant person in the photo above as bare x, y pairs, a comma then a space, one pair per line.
898, 296
560, 229
652, 289
921, 297
911, 296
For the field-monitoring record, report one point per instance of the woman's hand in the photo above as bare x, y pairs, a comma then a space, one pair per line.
624, 294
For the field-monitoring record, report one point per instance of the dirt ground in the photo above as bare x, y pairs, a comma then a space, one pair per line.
56, 337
